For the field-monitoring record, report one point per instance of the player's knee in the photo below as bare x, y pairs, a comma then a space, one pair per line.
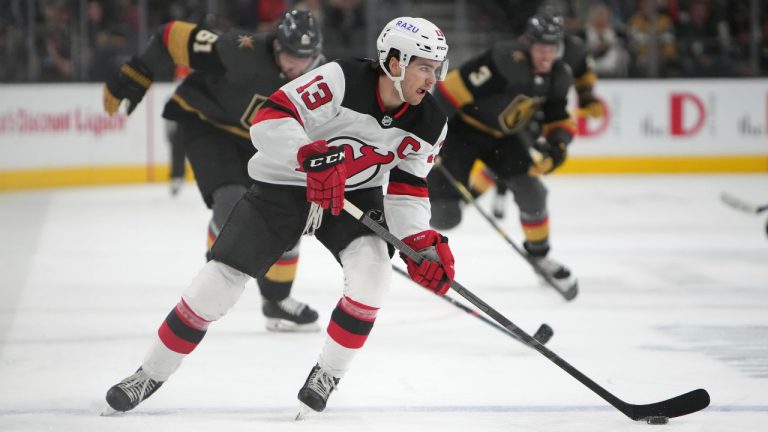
446, 213
215, 290
529, 192
367, 270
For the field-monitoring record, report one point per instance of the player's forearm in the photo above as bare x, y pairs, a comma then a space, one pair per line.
155, 55
279, 139
406, 215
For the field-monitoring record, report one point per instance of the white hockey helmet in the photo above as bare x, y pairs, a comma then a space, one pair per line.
412, 37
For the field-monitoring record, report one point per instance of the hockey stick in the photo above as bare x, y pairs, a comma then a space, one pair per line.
543, 334
681, 405
568, 294
740, 204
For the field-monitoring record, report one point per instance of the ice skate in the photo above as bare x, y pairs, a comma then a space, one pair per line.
559, 274
313, 396
128, 393
176, 185
290, 315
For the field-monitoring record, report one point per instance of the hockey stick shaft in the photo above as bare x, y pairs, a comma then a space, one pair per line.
741, 204
569, 294
543, 334
674, 407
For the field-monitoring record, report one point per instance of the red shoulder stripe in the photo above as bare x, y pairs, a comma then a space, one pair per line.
283, 107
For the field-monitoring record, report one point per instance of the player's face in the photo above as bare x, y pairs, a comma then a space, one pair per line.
292, 66
543, 56
420, 76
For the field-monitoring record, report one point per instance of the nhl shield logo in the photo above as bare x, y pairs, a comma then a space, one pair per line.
386, 121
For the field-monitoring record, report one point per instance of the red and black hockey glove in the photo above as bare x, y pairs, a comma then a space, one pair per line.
131, 82
436, 271
326, 174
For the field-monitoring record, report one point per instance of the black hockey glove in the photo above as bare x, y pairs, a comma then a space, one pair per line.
547, 156
589, 105
131, 82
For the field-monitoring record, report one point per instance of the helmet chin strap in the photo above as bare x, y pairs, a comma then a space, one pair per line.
396, 80
399, 88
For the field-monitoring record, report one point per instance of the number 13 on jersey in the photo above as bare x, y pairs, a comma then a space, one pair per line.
315, 93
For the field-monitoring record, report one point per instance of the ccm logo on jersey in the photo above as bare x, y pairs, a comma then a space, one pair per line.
407, 26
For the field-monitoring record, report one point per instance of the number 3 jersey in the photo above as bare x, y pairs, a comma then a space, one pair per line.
339, 102
498, 93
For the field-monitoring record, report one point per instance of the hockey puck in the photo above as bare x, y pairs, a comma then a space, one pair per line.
657, 420
543, 334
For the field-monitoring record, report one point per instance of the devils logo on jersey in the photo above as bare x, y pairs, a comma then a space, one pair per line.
363, 160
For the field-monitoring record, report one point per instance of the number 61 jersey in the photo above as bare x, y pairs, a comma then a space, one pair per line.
339, 102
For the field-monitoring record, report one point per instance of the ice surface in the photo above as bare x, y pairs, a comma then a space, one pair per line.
674, 295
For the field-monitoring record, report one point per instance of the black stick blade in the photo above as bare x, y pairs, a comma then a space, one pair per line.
544, 334
684, 404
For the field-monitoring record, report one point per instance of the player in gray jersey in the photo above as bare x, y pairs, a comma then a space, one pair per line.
494, 97
233, 74
343, 130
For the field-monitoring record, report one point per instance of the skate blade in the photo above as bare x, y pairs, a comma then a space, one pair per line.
284, 326
304, 411
108, 411
568, 290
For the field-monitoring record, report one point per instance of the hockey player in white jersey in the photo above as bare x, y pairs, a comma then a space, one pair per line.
340, 131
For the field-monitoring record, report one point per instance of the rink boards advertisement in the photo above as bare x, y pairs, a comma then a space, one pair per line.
58, 134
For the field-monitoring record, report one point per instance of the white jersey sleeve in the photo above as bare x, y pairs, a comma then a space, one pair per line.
406, 203
288, 118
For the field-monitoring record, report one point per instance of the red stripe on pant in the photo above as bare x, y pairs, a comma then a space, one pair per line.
351, 323
345, 338
174, 342
182, 329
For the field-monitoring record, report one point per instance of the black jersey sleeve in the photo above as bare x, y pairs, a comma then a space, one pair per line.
558, 124
185, 44
583, 68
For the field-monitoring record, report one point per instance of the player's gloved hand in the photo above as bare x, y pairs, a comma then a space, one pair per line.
326, 174
131, 82
592, 110
435, 272
547, 156
589, 106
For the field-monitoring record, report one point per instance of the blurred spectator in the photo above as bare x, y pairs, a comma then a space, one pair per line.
128, 13
13, 65
344, 29
621, 9
691, 37
106, 43
702, 42
738, 13
574, 12
55, 43
261, 15
604, 44
640, 30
